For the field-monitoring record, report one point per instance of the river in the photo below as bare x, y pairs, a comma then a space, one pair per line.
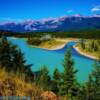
54, 59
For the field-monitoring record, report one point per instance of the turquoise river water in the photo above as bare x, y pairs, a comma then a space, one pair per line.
54, 59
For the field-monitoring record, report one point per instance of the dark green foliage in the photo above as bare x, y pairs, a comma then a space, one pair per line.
96, 47
82, 44
12, 59
56, 81
43, 80
34, 41
81, 95
68, 84
5, 51
95, 78
92, 44
91, 90
85, 34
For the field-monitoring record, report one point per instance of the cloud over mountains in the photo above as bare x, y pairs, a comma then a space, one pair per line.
96, 9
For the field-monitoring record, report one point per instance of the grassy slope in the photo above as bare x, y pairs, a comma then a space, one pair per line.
50, 44
12, 85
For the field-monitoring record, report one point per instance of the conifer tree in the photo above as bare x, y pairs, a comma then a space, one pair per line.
44, 79
56, 81
83, 44
91, 90
12, 59
5, 54
68, 84
94, 83
81, 94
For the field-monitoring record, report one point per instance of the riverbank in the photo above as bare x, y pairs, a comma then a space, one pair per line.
61, 44
58, 43
84, 53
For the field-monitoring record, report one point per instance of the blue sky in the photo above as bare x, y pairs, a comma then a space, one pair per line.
37, 9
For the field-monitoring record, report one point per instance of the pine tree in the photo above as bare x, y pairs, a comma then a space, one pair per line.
83, 44
12, 59
5, 54
92, 87
96, 47
81, 95
68, 85
90, 90
44, 79
95, 77
92, 44
56, 81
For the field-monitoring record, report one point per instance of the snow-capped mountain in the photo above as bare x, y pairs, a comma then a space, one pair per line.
54, 24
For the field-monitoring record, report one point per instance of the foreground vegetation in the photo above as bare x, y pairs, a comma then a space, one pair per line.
12, 85
17, 78
64, 85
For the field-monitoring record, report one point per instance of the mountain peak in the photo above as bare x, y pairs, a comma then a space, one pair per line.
78, 15
97, 15
62, 23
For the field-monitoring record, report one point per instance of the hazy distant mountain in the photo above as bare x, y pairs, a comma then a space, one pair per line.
75, 22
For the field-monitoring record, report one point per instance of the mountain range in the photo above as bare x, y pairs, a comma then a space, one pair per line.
65, 23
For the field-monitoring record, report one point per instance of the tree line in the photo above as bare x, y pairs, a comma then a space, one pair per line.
87, 34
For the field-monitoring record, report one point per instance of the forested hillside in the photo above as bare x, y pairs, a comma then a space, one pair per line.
89, 33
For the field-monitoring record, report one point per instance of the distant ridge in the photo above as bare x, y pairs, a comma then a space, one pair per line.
75, 22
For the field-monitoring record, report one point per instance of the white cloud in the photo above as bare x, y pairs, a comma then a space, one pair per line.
95, 9
70, 11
